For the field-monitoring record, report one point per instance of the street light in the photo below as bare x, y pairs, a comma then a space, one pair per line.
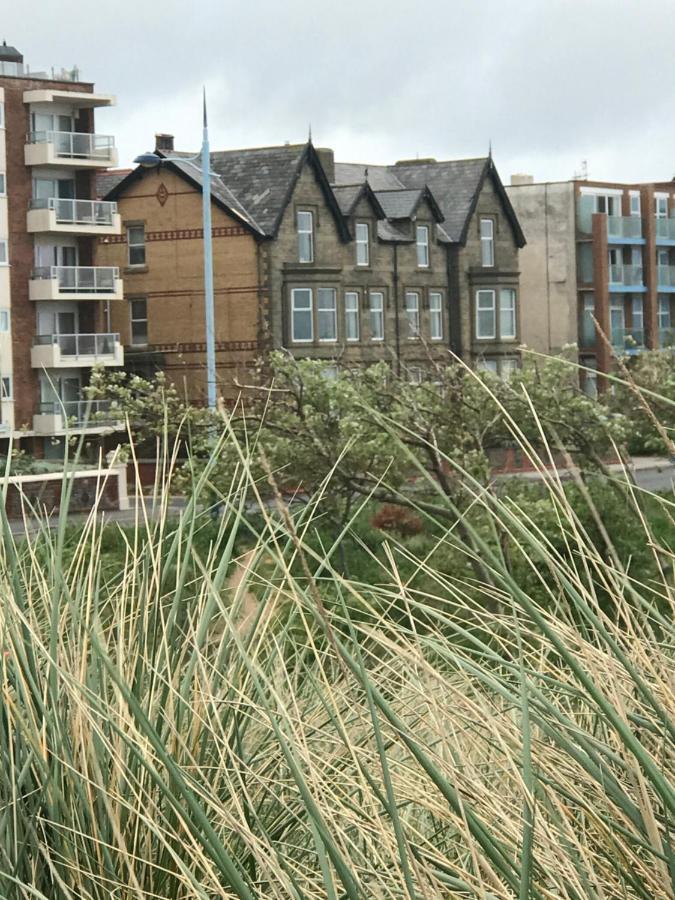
154, 160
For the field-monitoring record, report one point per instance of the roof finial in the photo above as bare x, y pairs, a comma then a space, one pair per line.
366, 174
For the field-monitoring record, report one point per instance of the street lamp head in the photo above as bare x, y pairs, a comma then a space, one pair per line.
148, 160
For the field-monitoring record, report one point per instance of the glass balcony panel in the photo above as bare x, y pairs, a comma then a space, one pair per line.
624, 227
80, 279
666, 275
628, 340
585, 214
74, 145
626, 275
665, 229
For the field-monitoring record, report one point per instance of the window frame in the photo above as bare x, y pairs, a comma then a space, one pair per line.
636, 213
3, 184
334, 316
422, 245
5, 315
413, 312
301, 231
415, 374
492, 310
512, 311
135, 245
2, 113
380, 312
304, 309
4, 252
361, 243
657, 203
133, 319
6, 387
436, 313
487, 241
663, 311
355, 313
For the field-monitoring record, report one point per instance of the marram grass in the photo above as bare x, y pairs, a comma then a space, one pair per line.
218, 723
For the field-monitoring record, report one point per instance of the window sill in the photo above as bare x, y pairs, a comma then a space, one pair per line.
135, 270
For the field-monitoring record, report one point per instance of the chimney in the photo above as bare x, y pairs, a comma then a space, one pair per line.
327, 160
522, 179
164, 143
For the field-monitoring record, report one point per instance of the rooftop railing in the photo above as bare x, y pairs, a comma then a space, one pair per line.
78, 212
76, 145
80, 279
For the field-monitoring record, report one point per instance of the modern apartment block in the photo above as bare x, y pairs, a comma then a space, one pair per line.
55, 304
339, 262
600, 251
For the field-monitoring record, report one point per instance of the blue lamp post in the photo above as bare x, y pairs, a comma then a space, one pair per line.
153, 160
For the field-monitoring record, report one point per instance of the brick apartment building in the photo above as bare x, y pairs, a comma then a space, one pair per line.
55, 304
599, 250
339, 262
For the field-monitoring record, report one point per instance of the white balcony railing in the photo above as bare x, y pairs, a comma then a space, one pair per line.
627, 276
78, 412
100, 346
79, 212
77, 145
80, 279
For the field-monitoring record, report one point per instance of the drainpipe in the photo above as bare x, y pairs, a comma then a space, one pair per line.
397, 324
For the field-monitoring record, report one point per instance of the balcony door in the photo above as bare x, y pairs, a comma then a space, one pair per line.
51, 122
51, 255
57, 323
47, 188
60, 389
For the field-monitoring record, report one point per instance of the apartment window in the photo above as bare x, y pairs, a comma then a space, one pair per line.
136, 244
664, 312
139, 321
587, 335
412, 309
436, 315
661, 207
305, 225
590, 381
635, 204
4, 258
6, 388
637, 328
487, 242
4, 321
352, 316
362, 244
422, 233
507, 366
617, 322
3, 184
376, 300
302, 330
507, 314
415, 375
608, 203
330, 373
327, 314
485, 315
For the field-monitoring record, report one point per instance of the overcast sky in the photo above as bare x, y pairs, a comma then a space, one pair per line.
550, 82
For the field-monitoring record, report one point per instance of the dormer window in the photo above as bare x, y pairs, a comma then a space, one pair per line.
362, 244
487, 243
422, 234
305, 225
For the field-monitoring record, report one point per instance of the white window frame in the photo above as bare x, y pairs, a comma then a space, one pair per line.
135, 245
663, 311
3, 184
6, 387
323, 312
487, 243
4, 321
490, 293
302, 309
133, 319
508, 365
637, 307
488, 364
422, 246
352, 312
412, 312
661, 206
362, 234
511, 311
436, 315
304, 230
635, 208
379, 312
4, 252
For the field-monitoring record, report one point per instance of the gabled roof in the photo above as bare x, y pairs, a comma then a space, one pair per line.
402, 203
349, 195
109, 179
454, 184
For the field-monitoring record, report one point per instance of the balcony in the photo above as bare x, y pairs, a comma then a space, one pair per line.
70, 148
665, 277
54, 351
624, 230
625, 278
60, 216
75, 283
76, 99
665, 231
628, 340
55, 416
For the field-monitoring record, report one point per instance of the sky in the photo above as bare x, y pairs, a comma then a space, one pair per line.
550, 84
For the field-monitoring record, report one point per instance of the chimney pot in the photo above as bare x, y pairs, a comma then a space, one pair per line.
164, 142
522, 178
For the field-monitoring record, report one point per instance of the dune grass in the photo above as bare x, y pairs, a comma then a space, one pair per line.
200, 724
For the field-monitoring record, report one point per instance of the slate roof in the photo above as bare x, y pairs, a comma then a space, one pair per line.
380, 178
9, 54
107, 180
219, 190
347, 196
